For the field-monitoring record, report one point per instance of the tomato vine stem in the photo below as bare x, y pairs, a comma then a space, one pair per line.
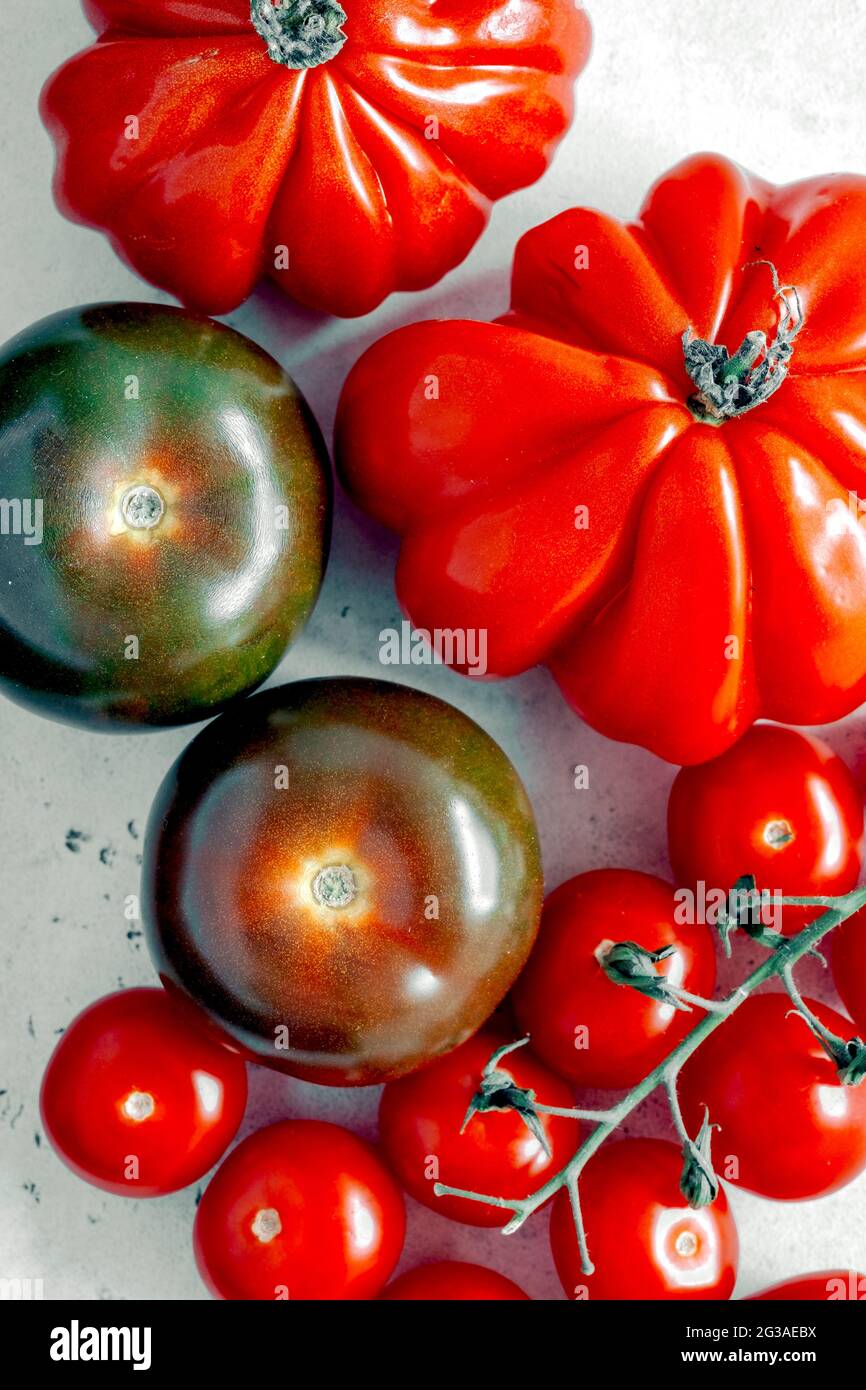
779, 963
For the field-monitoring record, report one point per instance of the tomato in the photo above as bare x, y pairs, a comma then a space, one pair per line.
848, 958
828, 1286
582, 1024
558, 482
643, 1238
344, 153
789, 1128
420, 1120
778, 805
136, 1099
345, 874
452, 1280
300, 1210
173, 496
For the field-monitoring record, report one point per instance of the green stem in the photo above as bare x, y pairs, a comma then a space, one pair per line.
778, 964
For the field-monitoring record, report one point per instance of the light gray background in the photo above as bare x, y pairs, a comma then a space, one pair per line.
780, 88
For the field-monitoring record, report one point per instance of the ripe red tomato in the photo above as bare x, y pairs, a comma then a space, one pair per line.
848, 956
345, 153
452, 1280
582, 1024
789, 1128
383, 887
138, 1100
779, 805
829, 1286
420, 1119
643, 1238
557, 483
300, 1210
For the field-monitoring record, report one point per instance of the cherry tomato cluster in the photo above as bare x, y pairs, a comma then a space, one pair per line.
145, 1093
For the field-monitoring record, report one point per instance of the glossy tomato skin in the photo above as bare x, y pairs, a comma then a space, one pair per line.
792, 1128
420, 1119
132, 1079
557, 490
828, 1286
779, 805
300, 1210
372, 171
848, 959
644, 1240
453, 1281
118, 626
582, 1024
415, 806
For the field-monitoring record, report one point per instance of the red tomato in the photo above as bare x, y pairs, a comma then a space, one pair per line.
451, 1280
582, 1024
420, 1118
789, 1128
300, 1210
217, 141
137, 1099
829, 1286
778, 805
557, 484
848, 948
643, 1238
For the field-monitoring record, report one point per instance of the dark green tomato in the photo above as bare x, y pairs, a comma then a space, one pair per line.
345, 874
183, 493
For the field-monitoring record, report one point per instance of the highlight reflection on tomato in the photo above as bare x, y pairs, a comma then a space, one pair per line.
644, 1239
179, 494
345, 874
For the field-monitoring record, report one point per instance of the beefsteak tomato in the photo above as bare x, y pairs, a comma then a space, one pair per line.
344, 152
345, 875
174, 515
597, 482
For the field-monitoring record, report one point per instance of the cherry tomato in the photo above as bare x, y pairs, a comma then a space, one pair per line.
174, 497
779, 805
643, 1238
138, 1100
582, 1024
420, 1121
848, 952
452, 1280
300, 1210
789, 1128
829, 1286
345, 874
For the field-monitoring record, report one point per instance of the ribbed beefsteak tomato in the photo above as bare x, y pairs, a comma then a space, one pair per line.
597, 482
343, 151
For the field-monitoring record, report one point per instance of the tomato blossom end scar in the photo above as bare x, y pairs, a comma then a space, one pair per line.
335, 886
139, 1105
142, 507
266, 1225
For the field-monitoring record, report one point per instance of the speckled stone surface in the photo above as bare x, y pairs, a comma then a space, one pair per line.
780, 89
